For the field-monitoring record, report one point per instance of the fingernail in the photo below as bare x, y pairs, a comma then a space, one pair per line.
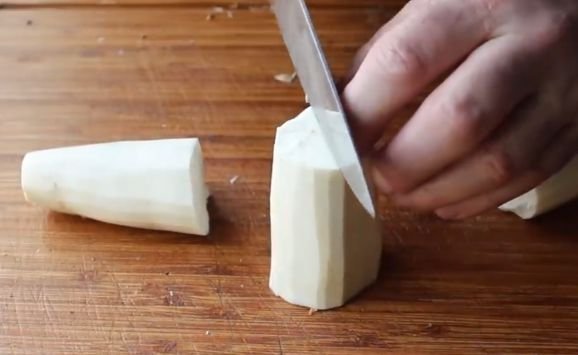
400, 200
448, 214
382, 183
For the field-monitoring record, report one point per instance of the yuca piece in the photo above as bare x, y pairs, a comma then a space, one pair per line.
325, 248
553, 193
154, 184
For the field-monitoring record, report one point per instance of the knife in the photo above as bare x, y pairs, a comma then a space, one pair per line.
305, 50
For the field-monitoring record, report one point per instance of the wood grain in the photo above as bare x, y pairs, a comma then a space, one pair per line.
83, 74
200, 3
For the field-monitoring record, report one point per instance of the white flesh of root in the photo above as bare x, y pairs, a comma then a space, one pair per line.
553, 193
325, 248
154, 184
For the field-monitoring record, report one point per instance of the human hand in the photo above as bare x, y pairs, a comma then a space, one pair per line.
504, 120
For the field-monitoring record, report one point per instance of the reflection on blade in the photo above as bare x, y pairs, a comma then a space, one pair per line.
336, 133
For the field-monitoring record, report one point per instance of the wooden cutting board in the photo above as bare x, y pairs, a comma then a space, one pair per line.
85, 71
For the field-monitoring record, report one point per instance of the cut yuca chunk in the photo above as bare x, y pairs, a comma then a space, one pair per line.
553, 193
325, 248
154, 184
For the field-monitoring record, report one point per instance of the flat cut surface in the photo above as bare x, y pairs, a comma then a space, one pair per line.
85, 71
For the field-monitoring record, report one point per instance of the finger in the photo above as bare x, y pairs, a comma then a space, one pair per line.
459, 115
404, 60
502, 159
362, 53
561, 151
485, 202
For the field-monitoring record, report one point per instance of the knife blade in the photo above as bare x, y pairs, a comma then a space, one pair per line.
311, 65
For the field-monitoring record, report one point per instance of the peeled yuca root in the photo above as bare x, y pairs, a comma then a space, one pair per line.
553, 193
155, 184
325, 247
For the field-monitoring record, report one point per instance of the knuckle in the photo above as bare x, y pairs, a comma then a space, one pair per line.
401, 59
489, 5
464, 117
398, 186
487, 8
499, 166
553, 28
